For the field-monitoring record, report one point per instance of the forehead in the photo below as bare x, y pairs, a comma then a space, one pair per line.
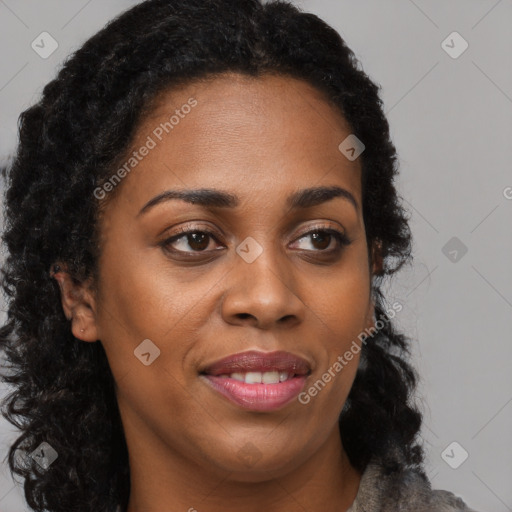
256, 135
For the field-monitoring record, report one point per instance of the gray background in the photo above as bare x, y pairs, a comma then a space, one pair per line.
451, 120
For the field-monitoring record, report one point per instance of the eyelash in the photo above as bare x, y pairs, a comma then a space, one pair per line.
341, 239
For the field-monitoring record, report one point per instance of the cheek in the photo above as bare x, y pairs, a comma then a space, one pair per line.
342, 302
143, 302
138, 303
147, 296
341, 305
147, 299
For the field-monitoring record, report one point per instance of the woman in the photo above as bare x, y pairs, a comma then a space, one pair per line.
198, 221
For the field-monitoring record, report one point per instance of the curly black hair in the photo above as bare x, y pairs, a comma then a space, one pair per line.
72, 139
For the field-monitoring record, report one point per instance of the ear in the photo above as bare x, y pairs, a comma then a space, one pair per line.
377, 260
377, 267
78, 303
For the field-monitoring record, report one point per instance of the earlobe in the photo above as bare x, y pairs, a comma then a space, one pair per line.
78, 303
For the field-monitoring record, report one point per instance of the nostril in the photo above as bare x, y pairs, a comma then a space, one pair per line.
243, 316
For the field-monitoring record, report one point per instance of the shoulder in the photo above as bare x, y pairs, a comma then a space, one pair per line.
449, 501
410, 489
390, 485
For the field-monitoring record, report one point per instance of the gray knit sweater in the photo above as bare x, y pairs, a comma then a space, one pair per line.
389, 484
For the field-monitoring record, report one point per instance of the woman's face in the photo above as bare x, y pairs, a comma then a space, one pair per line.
271, 276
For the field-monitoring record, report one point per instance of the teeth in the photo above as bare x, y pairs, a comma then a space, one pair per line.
270, 377
253, 377
273, 377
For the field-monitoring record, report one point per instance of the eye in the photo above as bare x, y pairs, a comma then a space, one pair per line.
323, 240
191, 241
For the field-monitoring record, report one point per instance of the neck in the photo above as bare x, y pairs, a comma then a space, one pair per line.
326, 481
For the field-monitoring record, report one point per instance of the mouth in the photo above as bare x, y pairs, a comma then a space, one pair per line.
258, 381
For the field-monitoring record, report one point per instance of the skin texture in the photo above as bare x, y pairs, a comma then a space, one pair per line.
261, 140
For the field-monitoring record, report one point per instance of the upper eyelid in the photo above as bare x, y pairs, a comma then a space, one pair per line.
200, 229
331, 224
318, 227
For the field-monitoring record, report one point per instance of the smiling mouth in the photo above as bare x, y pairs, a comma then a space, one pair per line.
258, 381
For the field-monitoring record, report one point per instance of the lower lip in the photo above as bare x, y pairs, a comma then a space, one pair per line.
258, 397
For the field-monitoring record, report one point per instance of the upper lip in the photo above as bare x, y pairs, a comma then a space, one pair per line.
255, 361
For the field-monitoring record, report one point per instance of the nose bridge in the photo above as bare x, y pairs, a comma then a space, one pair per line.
262, 287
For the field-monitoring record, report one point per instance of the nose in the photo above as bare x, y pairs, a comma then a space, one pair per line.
262, 294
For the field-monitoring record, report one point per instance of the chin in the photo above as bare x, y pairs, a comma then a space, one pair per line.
250, 464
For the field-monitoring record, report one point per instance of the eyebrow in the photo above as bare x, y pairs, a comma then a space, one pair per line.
213, 198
